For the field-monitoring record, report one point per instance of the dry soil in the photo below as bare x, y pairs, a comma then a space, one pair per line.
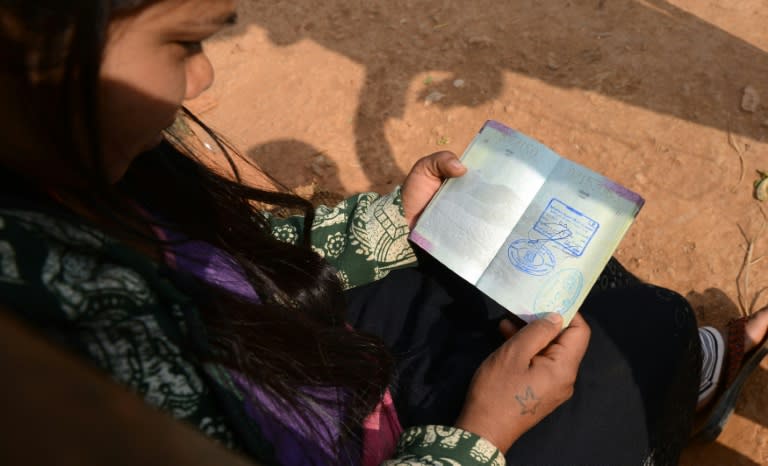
348, 94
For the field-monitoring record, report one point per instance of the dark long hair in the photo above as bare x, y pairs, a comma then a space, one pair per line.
292, 342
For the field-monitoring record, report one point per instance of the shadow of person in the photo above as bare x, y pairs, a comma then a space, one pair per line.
649, 54
300, 168
714, 307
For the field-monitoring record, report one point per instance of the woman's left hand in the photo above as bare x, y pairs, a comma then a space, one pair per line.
425, 179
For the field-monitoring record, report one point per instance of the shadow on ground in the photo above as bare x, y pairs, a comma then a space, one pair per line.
701, 454
649, 54
308, 165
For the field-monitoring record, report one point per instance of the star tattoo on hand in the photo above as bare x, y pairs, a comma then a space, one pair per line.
528, 402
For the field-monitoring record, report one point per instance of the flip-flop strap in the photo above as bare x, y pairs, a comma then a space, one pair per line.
713, 356
735, 353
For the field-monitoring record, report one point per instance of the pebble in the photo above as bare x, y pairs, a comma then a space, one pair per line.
481, 41
319, 165
459, 83
552, 62
750, 100
761, 190
434, 96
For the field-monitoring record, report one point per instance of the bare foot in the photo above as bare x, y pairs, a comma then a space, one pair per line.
755, 329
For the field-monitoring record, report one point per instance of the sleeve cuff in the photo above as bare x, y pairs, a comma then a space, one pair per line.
397, 199
384, 236
433, 444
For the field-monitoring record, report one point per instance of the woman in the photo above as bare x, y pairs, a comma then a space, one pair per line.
128, 251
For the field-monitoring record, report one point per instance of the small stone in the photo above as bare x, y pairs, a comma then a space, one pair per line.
552, 62
480, 41
208, 146
459, 83
434, 96
590, 56
761, 190
750, 100
319, 164
317, 170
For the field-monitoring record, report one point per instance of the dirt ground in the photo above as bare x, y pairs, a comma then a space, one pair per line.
649, 93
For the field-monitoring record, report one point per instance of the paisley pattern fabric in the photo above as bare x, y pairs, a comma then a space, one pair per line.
444, 446
363, 237
110, 312
118, 310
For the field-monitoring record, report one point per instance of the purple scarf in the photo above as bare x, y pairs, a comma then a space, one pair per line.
295, 442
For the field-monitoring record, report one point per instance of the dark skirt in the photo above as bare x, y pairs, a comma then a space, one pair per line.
636, 391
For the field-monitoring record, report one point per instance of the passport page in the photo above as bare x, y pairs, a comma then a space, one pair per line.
530, 229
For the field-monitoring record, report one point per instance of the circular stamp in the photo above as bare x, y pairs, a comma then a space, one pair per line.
559, 293
531, 257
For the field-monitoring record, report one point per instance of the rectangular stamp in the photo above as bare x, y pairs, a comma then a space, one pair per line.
566, 227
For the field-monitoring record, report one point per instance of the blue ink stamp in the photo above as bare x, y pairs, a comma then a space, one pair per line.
559, 293
531, 257
570, 229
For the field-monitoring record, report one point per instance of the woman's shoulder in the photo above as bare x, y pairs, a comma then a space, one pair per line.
25, 225
63, 274
32, 241
109, 305
54, 269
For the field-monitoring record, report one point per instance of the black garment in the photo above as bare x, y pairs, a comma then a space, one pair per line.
637, 387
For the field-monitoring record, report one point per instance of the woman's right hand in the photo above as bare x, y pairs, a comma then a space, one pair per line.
524, 380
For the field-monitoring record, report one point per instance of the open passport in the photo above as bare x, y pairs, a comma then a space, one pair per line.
527, 227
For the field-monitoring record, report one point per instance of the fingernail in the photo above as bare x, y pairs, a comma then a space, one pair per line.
554, 317
456, 164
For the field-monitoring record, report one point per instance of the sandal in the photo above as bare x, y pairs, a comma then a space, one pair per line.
738, 367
